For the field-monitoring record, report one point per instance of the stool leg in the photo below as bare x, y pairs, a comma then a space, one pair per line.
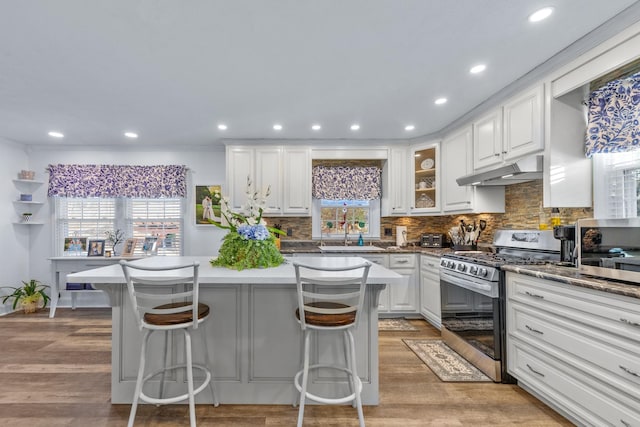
354, 374
305, 377
138, 390
192, 404
347, 359
209, 365
165, 363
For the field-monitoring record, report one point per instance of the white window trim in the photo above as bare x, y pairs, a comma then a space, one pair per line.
605, 167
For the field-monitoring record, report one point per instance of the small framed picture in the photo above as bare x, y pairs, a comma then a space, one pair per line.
129, 247
75, 245
96, 247
150, 245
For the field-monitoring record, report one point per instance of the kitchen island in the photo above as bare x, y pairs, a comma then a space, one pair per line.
255, 342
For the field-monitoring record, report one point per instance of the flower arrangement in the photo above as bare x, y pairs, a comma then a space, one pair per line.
249, 243
114, 237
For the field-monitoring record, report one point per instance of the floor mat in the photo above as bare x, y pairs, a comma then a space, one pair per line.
395, 324
448, 365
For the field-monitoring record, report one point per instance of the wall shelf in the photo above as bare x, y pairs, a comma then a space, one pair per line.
28, 181
28, 202
29, 223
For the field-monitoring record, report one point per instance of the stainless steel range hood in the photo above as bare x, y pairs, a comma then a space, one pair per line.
527, 169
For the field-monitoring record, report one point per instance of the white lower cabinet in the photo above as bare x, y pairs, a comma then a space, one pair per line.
404, 298
577, 349
430, 289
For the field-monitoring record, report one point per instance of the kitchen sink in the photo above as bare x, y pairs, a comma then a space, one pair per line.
350, 249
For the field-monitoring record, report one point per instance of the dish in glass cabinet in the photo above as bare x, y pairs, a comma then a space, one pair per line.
426, 164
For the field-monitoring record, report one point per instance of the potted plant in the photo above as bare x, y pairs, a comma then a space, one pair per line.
28, 295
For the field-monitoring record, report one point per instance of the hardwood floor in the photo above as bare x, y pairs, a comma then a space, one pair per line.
56, 372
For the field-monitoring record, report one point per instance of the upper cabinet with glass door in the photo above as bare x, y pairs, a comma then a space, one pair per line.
425, 178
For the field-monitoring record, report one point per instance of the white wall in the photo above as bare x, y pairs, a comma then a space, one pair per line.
14, 250
206, 166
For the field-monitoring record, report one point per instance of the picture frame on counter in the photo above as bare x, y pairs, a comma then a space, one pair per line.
207, 204
95, 247
129, 247
75, 245
150, 245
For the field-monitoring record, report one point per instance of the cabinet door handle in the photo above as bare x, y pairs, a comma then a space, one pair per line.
624, 423
534, 295
629, 322
497, 154
534, 371
402, 261
534, 330
629, 371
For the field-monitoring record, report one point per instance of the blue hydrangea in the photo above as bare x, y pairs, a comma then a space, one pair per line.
253, 232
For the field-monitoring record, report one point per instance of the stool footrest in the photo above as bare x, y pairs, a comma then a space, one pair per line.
326, 400
175, 399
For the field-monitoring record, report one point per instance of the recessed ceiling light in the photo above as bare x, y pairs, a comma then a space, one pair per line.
477, 68
222, 126
56, 134
441, 101
277, 127
409, 127
541, 14
316, 127
355, 126
132, 135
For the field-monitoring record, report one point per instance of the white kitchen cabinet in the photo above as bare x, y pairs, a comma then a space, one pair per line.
457, 161
511, 131
404, 298
297, 181
487, 140
575, 348
430, 289
395, 183
424, 181
268, 175
286, 171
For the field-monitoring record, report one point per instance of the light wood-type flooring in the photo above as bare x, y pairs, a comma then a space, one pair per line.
56, 372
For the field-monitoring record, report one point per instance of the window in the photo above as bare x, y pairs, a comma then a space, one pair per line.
617, 185
140, 218
362, 217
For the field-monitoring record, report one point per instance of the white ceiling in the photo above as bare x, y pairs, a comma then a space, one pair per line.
172, 70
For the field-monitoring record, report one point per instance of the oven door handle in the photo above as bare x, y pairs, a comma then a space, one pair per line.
482, 288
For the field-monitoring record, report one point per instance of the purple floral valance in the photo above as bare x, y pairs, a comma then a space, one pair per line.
614, 114
150, 182
346, 183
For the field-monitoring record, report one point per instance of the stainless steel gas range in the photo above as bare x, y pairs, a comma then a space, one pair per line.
472, 292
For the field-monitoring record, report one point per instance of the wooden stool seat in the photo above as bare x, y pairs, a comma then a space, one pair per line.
176, 318
327, 320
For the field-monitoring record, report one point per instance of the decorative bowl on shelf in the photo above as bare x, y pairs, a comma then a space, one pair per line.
25, 174
26, 198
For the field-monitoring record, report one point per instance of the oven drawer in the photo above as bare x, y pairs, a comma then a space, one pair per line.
586, 400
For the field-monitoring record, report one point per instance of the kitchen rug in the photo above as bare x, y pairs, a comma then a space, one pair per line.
395, 324
448, 365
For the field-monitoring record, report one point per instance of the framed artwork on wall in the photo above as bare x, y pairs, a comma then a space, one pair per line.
150, 245
95, 247
207, 201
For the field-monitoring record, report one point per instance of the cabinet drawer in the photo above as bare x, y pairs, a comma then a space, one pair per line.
614, 360
610, 313
402, 261
430, 263
588, 401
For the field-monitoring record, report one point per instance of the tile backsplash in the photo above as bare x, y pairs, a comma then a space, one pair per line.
522, 206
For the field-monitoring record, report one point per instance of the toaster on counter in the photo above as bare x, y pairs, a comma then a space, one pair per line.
432, 240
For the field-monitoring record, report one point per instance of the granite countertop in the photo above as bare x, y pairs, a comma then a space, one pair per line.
571, 276
311, 247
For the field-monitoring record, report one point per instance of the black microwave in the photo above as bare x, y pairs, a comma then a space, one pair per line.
609, 248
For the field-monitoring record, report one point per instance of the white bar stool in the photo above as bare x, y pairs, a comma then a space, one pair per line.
166, 299
330, 300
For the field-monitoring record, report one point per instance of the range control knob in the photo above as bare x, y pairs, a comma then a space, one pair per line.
483, 272
462, 267
443, 262
473, 270
451, 264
